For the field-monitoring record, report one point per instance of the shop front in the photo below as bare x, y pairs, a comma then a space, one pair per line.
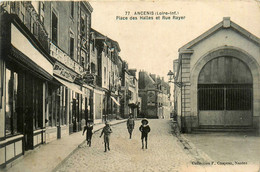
26, 70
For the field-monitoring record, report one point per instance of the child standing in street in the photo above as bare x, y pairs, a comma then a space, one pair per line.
106, 131
145, 129
89, 128
130, 125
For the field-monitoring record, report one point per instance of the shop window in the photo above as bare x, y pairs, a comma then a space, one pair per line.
66, 103
12, 120
53, 106
57, 105
54, 28
38, 116
62, 105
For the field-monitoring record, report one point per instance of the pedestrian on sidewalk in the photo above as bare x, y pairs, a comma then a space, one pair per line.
145, 129
130, 125
88, 128
106, 131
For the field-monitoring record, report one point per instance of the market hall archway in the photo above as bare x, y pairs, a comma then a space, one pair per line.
225, 93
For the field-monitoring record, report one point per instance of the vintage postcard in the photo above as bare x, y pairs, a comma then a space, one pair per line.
130, 86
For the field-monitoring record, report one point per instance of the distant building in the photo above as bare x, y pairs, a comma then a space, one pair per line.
217, 80
155, 96
105, 66
129, 90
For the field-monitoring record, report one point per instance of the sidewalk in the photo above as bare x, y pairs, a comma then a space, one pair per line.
51, 155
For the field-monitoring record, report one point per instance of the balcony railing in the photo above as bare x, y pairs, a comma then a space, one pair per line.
62, 57
28, 15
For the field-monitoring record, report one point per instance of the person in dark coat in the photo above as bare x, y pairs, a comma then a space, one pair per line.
106, 131
130, 125
145, 129
88, 128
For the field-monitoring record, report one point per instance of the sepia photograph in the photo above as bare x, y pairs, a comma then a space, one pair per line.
130, 86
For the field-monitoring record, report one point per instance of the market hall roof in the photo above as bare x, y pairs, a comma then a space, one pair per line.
226, 23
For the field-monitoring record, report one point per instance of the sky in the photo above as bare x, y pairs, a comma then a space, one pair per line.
152, 45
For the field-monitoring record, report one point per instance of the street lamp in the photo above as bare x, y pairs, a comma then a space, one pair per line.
172, 79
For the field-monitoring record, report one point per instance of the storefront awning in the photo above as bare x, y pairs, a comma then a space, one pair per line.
115, 100
71, 86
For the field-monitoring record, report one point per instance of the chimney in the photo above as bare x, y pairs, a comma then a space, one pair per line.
226, 22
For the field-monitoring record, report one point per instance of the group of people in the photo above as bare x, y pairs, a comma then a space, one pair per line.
144, 129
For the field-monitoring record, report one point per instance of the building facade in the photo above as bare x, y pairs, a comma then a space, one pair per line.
107, 75
217, 78
69, 102
44, 58
155, 96
26, 71
130, 92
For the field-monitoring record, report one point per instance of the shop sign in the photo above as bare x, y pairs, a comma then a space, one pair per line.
88, 78
63, 72
62, 57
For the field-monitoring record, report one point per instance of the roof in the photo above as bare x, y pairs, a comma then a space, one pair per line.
105, 38
226, 23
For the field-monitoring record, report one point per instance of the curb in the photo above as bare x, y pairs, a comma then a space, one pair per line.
65, 159
188, 146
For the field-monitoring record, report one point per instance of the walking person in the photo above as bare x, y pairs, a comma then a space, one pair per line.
88, 128
130, 125
145, 129
106, 131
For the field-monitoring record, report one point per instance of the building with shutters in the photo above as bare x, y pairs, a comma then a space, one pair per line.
44, 59
106, 68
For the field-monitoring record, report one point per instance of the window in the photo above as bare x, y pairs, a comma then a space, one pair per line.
71, 45
93, 68
82, 25
11, 102
42, 11
72, 9
54, 28
88, 29
93, 45
105, 75
113, 78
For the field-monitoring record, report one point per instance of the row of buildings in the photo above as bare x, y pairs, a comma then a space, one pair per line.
57, 72
217, 80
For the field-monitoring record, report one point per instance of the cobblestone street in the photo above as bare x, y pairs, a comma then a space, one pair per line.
164, 153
